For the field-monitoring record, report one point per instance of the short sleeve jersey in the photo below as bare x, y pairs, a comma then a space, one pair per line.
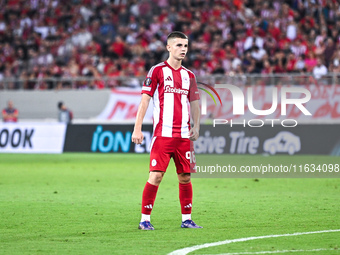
172, 91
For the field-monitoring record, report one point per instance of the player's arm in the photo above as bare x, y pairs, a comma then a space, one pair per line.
4, 114
15, 114
195, 114
137, 135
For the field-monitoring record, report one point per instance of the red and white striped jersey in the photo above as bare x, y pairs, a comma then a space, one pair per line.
172, 91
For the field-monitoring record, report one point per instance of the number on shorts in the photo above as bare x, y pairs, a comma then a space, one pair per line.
188, 155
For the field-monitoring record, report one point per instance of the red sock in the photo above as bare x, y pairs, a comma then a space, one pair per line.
185, 197
148, 199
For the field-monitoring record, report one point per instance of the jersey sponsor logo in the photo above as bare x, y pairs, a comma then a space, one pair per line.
169, 89
168, 79
147, 82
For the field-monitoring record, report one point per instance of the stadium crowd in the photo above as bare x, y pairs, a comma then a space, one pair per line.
114, 38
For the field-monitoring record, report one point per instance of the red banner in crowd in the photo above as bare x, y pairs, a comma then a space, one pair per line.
123, 105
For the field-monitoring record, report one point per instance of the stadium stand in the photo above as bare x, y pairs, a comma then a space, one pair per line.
44, 40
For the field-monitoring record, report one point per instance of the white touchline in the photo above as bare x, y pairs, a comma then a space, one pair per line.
272, 252
185, 251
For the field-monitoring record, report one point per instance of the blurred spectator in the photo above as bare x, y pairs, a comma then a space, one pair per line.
320, 49
258, 53
336, 61
155, 44
268, 69
81, 37
298, 48
64, 114
243, 13
310, 61
292, 30
273, 31
113, 74
10, 114
44, 58
254, 39
117, 49
329, 51
290, 63
300, 64
321, 37
320, 69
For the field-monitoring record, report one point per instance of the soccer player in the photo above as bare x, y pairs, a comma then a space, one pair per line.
175, 97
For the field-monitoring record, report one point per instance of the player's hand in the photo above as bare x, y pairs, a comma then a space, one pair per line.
137, 137
193, 134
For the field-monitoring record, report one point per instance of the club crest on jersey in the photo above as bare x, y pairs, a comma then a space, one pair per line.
147, 82
169, 89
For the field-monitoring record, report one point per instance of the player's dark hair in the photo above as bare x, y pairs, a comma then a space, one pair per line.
177, 34
60, 104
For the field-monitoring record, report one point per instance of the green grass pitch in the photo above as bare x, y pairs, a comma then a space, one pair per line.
90, 204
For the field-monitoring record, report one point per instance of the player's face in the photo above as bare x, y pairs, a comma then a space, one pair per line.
178, 48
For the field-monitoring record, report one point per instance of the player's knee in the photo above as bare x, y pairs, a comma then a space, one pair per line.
155, 177
184, 178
